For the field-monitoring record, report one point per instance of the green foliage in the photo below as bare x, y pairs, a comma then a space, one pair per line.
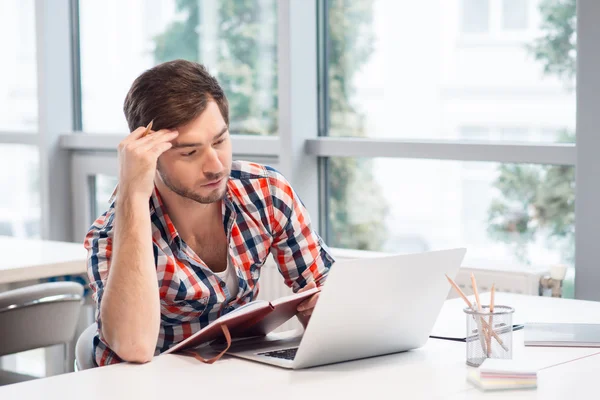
247, 31
179, 40
350, 46
534, 200
556, 49
357, 209
240, 65
540, 200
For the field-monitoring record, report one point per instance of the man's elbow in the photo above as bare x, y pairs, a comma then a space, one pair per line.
137, 351
134, 352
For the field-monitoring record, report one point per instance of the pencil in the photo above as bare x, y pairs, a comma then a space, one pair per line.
485, 332
491, 328
148, 128
475, 291
464, 297
460, 292
146, 132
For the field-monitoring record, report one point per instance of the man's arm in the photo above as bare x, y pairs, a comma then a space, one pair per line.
130, 307
302, 257
130, 302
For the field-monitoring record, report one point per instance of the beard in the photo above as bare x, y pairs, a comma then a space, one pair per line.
216, 195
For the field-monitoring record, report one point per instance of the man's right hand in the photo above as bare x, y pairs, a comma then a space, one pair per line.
138, 159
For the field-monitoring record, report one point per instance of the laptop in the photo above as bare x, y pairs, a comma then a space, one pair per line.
367, 307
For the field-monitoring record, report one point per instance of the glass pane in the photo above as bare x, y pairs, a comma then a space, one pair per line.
103, 190
18, 74
505, 214
475, 16
236, 40
514, 14
20, 209
31, 362
405, 70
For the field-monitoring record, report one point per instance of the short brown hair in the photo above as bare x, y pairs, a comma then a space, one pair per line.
172, 94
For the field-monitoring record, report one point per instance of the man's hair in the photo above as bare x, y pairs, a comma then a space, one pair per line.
172, 94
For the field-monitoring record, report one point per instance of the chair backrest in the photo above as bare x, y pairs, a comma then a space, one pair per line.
84, 349
39, 316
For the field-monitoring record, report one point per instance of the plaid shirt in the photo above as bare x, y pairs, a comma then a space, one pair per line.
262, 215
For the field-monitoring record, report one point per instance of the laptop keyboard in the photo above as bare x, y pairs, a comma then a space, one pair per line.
286, 354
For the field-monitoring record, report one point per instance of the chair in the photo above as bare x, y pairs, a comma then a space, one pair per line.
37, 316
84, 353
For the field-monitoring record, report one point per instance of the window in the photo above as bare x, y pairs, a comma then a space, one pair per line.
495, 18
516, 134
512, 134
20, 211
514, 14
103, 189
395, 76
475, 16
18, 70
385, 83
420, 205
475, 133
236, 40
20, 184
389, 71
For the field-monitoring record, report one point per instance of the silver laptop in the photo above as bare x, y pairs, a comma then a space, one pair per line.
367, 307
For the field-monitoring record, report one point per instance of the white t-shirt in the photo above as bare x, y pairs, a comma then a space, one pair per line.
231, 279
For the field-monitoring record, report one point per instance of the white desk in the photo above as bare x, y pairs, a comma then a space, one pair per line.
26, 259
436, 371
576, 380
527, 309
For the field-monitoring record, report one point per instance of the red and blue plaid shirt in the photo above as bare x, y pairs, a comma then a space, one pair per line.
262, 215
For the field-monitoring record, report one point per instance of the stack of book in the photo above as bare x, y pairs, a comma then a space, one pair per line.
499, 374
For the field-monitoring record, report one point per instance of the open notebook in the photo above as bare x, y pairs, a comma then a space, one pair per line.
256, 318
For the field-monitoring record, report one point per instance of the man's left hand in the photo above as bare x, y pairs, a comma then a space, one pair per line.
305, 308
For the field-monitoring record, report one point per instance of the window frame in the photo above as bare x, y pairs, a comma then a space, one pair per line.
496, 33
301, 150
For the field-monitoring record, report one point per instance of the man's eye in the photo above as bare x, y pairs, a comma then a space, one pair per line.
189, 154
219, 142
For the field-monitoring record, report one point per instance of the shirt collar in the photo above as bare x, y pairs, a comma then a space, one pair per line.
158, 210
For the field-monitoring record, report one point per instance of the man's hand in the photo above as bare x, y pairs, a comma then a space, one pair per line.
138, 157
305, 308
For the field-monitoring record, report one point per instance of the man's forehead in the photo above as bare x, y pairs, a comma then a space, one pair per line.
198, 137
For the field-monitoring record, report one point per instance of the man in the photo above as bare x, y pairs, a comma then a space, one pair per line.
184, 241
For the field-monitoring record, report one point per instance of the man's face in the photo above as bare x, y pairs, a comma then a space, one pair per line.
197, 167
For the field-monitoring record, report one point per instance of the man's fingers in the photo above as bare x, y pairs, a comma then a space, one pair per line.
312, 302
307, 313
160, 148
305, 309
303, 319
308, 304
132, 137
155, 138
310, 285
135, 135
